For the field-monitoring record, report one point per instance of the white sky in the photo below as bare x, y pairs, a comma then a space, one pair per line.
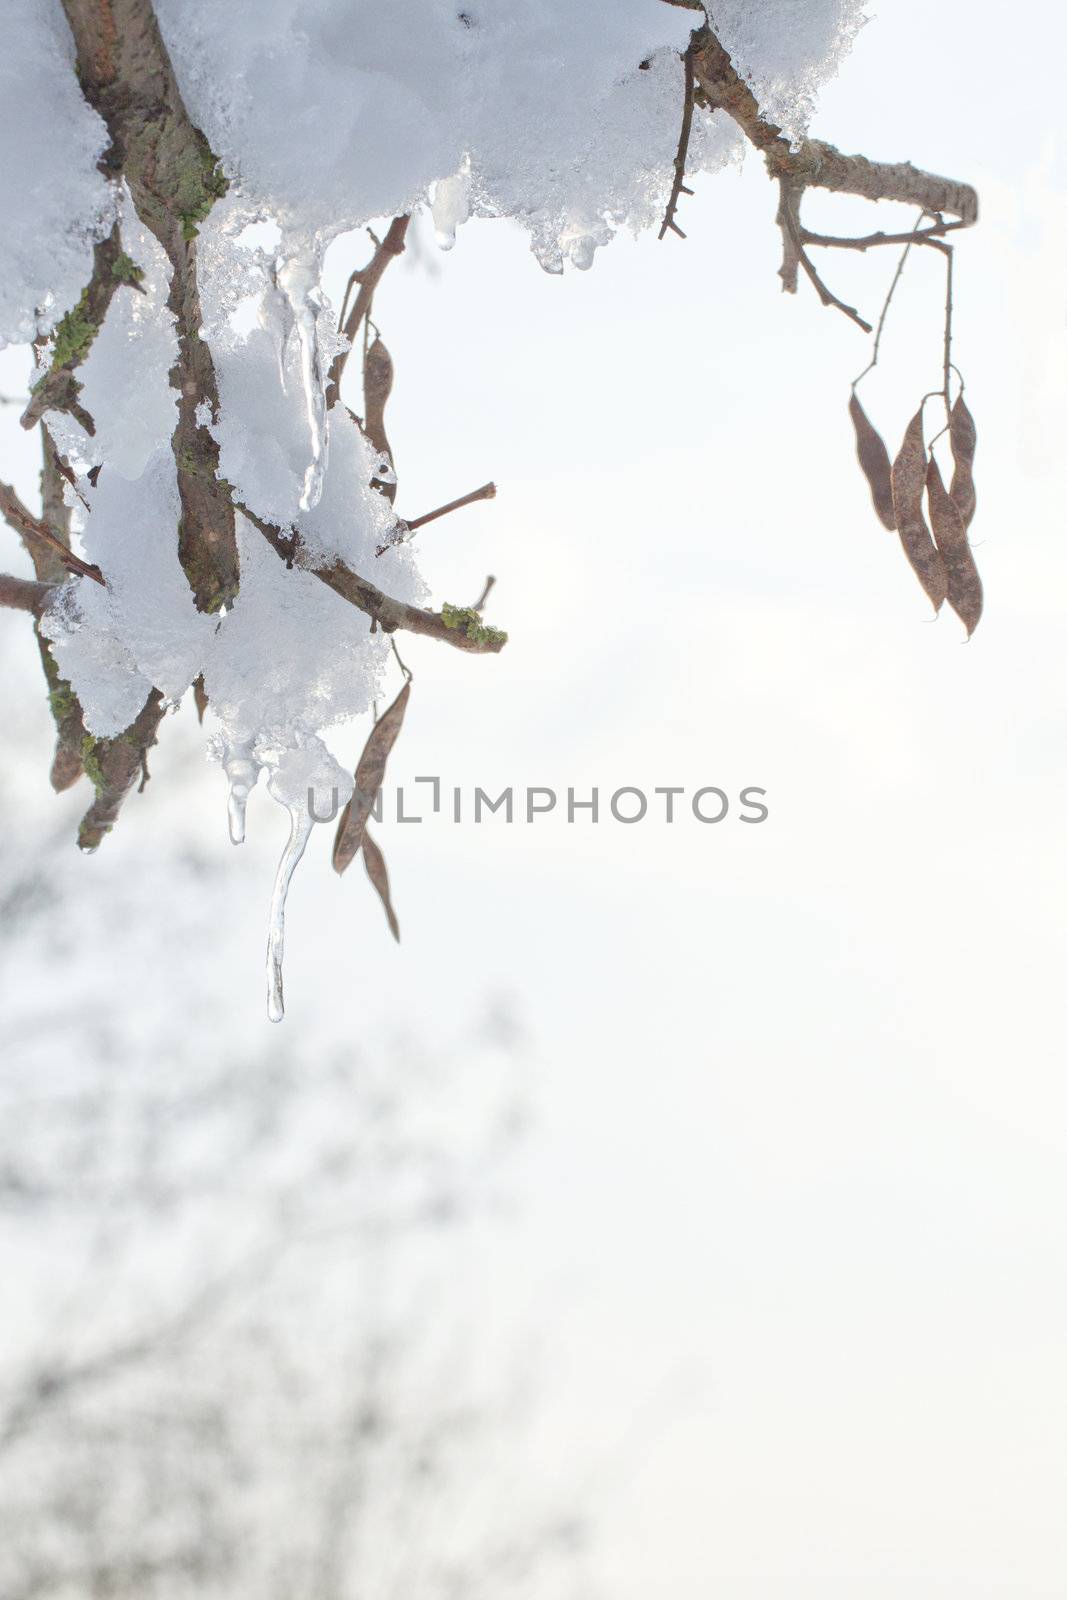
795, 1231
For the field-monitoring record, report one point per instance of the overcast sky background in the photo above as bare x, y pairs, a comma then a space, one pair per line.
792, 1252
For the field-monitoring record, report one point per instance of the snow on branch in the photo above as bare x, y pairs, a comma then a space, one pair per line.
812, 164
225, 491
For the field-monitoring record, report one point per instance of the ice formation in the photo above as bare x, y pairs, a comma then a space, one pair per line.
54, 201
324, 116
297, 779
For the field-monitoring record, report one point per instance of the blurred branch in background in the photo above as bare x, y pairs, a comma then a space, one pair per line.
255, 1382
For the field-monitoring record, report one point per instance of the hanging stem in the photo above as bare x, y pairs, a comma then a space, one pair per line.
880, 328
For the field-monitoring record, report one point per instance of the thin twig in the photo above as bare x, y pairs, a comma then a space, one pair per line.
788, 216
909, 241
403, 529
486, 492
480, 603
406, 670
368, 278
948, 324
678, 187
31, 527
871, 240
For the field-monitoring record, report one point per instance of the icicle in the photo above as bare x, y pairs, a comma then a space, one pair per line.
549, 257
451, 206
296, 277
301, 823
300, 778
242, 772
582, 251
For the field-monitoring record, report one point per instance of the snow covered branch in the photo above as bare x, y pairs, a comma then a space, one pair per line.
174, 179
115, 765
224, 498
813, 164
386, 613
58, 390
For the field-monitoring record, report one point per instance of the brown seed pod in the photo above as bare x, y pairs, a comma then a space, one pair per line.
377, 386
909, 480
963, 437
874, 460
199, 697
946, 519
374, 862
369, 775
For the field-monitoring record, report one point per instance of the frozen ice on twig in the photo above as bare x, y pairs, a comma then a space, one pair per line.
297, 279
300, 826
242, 772
300, 779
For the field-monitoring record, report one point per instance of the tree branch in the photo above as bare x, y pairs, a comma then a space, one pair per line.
115, 765
73, 338
448, 626
812, 164
403, 530
24, 594
32, 528
796, 256
832, 241
678, 187
174, 179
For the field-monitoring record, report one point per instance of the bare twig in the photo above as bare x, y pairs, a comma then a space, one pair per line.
869, 241
406, 670
31, 527
24, 594
948, 253
480, 604
887, 302
678, 187
403, 529
788, 220
486, 492
367, 278
795, 255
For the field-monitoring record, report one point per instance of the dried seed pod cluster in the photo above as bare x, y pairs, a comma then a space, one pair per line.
938, 550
